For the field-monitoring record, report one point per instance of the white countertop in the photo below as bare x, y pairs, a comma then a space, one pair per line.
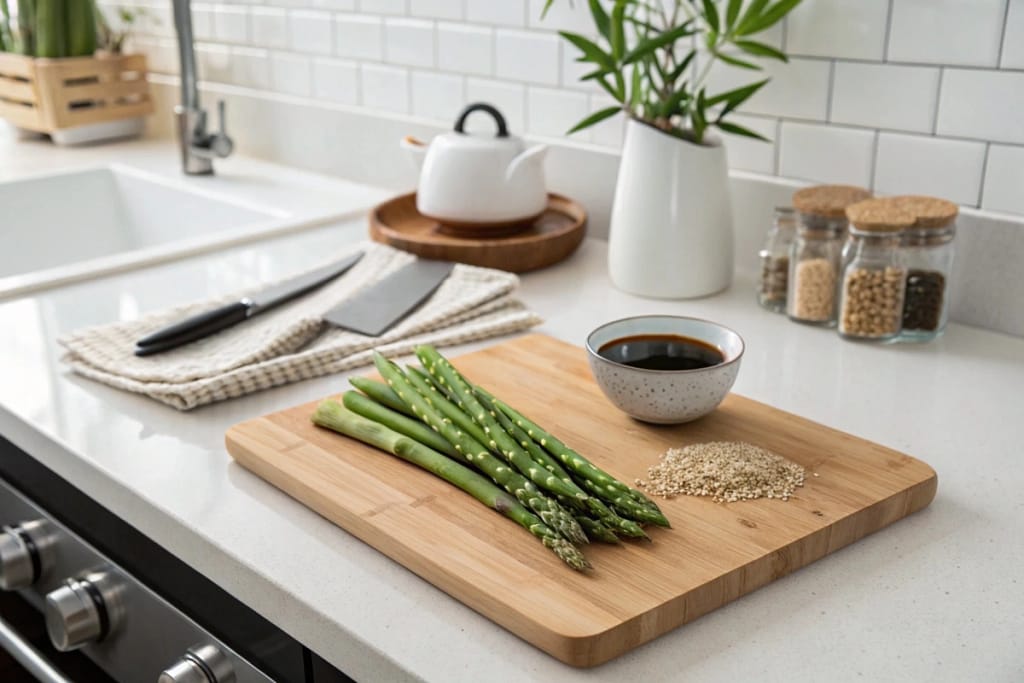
936, 597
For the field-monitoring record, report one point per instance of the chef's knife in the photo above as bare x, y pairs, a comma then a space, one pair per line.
209, 322
377, 309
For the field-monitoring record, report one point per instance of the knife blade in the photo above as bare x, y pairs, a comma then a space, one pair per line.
207, 323
377, 309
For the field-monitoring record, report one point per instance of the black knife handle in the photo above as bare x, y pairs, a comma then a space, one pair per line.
191, 329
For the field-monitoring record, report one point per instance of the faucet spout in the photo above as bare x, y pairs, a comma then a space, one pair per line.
198, 146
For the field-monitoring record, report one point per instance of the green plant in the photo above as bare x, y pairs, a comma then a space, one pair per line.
654, 57
112, 40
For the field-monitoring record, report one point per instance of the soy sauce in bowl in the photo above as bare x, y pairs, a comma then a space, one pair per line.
665, 352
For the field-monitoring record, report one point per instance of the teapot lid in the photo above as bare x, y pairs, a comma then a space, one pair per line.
499, 120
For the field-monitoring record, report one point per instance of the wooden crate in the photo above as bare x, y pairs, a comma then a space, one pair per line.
48, 95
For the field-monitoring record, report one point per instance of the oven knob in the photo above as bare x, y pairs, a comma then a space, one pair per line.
84, 610
202, 664
22, 554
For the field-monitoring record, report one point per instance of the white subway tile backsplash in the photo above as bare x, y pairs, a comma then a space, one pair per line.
798, 89
861, 73
336, 80
359, 37
1013, 37
250, 67
553, 112
960, 32
465, 49
987, 105
561, 16
436, 9
915, 164
202, 22
409, 42
1004, 179
383, 6
231, 24
853, 29
501, 12
269, 27
509, 98
527, 56
885, 96
750, 154
291, 74
437, 96
385, 88
310, 31
828, 154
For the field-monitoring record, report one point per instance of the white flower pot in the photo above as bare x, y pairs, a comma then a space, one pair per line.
671, 224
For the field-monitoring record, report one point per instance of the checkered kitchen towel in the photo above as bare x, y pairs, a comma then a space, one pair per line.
292, 343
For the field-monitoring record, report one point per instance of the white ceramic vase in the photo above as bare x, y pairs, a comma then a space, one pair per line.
671, 224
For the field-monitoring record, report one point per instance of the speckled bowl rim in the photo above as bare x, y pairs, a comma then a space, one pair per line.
594, 354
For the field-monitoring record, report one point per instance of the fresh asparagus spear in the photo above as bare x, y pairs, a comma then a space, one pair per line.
434, 363
392, 419
606, 486
597, 531
448, 409
381, 393
477, 454
609, 519
333, 415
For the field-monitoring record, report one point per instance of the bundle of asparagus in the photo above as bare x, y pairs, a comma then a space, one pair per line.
435, 418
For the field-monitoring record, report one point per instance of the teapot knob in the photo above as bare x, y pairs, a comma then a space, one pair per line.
460, 124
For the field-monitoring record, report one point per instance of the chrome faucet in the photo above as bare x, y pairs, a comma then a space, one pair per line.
199, 147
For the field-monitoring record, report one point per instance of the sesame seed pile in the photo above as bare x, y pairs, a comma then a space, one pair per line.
727, 471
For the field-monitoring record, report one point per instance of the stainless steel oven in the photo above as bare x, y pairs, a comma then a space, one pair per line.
124, 605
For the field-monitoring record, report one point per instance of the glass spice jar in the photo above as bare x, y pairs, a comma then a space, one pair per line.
815, 256
928, 251
874, 278
774, 279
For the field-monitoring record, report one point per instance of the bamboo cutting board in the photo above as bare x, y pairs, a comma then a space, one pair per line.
637, 591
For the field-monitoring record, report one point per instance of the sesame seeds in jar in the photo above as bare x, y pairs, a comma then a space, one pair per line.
815, 256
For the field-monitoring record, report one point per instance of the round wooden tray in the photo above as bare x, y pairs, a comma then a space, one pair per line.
554, 236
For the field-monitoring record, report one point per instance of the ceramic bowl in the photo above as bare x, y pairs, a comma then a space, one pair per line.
665, 396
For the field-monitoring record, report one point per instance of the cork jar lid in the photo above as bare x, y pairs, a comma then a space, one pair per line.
930, 212
828, 201
880, 215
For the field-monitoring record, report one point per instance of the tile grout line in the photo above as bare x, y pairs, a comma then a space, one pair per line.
777, 156
831, 91
888, 32
938, 102
874, 159
984, 170
1002, 35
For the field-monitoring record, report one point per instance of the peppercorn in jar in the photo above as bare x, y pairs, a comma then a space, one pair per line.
928, 254
815, 256
871, 299
773, 284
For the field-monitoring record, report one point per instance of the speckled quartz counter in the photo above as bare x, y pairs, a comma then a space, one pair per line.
935, 597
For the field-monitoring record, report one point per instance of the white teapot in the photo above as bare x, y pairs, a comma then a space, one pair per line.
468, 179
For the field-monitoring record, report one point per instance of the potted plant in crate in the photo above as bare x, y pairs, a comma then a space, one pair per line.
671, 224
62, 72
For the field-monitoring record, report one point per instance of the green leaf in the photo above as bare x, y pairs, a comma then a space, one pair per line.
769, 18
649, 46
699, 118
711, 14
760, 49
731, 12
711, 39
728, 59
735, 98
753, 11
618, 33
637, 87
675, 100
594, 74
682, 66
737, 129
600, 17
617, 96
596, 117
547, 6
590, 50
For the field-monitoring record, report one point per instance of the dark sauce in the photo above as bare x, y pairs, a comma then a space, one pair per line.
662, 352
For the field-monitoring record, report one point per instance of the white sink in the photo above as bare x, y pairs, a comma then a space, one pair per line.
68, 226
